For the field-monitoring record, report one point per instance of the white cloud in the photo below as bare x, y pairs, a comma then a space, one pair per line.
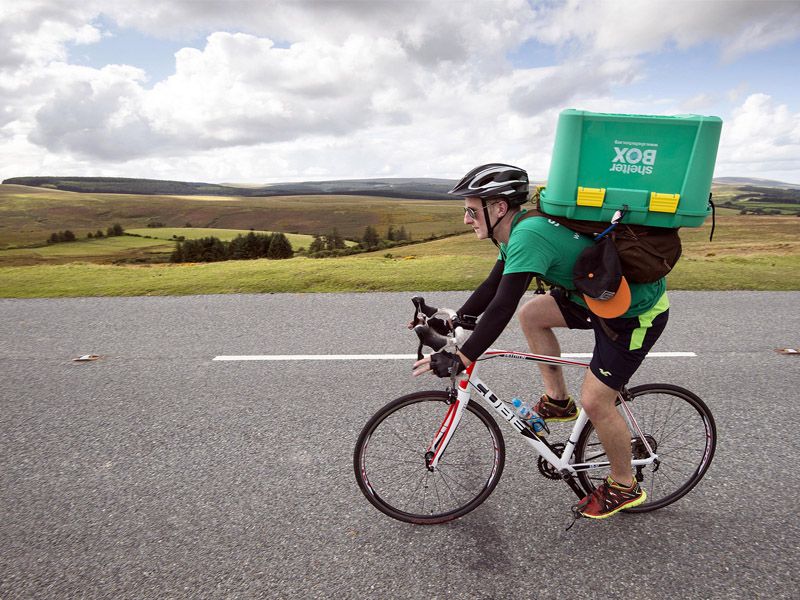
541, 89
623, 28
763, 137
37, 33
96, 116
331, 89
238, 90
430, 31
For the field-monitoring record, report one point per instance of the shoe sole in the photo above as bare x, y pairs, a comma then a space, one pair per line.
562, 419
629, 504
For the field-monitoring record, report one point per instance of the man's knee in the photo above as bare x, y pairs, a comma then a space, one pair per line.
527, 313
593, 405
597, 399
541, 312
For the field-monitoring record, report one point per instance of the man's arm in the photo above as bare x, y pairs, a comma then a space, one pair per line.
476, 304
497, 315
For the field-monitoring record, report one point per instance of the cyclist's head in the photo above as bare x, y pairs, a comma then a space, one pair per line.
494, 181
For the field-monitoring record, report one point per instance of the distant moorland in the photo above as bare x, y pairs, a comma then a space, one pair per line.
421, 189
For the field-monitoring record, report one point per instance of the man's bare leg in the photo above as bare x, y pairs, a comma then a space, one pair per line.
537, 317
598, 400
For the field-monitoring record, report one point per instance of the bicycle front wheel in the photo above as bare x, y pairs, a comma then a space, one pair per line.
679, 428
390, 462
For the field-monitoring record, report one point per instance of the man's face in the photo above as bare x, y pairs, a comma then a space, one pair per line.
474, 206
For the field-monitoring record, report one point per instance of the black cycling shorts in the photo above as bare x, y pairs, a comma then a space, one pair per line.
620, 345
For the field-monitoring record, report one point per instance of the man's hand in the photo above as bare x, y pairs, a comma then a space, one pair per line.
442, 364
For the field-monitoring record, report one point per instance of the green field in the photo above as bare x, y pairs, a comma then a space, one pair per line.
101, 250
748, 252
143, 245
751, 198
226, 235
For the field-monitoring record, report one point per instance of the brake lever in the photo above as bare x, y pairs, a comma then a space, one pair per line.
417, 319
421, 307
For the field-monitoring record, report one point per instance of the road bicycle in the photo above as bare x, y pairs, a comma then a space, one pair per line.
434, 456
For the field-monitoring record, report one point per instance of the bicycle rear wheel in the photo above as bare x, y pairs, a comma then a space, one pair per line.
680, 429
390, 463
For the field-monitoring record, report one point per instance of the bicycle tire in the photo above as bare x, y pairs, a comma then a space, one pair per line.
390, 467
681, 427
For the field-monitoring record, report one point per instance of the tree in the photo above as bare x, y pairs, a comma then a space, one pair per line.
334, 241
264, 242
317, 245
213, 249
371, 238
280, 247
177, 254
252, 245
390, 234
99, 234
236, 248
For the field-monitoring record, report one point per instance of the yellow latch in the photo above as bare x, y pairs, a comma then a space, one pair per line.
666, 203
591, 196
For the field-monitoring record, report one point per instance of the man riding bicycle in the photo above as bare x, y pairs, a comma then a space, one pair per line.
625, 326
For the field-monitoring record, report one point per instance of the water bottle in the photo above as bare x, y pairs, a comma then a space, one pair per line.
531, 418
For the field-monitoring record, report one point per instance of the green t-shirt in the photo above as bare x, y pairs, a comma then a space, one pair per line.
539, 245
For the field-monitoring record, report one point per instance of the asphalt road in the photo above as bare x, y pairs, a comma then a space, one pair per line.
156, 472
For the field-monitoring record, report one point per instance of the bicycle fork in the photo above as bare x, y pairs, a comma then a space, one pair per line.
459, 398
445, 431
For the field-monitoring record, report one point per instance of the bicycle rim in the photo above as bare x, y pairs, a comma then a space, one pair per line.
390, 467
681, 430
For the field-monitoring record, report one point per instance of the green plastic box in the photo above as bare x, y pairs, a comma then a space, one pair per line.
659, 166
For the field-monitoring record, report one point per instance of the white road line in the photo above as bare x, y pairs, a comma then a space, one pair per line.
280, 357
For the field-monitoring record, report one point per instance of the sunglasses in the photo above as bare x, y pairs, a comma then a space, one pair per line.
473, 212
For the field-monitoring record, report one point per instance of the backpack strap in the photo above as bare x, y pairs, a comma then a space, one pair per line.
713, 217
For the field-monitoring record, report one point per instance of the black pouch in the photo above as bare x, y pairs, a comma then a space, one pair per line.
647, 253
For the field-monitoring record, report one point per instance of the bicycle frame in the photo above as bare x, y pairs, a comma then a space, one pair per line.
563, 464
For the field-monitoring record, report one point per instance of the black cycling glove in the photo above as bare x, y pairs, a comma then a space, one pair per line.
446, 364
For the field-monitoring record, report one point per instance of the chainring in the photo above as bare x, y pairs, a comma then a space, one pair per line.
548, 470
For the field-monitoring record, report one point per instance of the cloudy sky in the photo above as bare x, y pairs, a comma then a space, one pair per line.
284, 90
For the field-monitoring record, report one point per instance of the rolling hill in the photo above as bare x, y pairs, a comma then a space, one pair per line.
421, 189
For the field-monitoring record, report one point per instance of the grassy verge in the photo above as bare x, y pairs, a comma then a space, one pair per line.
294, 275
